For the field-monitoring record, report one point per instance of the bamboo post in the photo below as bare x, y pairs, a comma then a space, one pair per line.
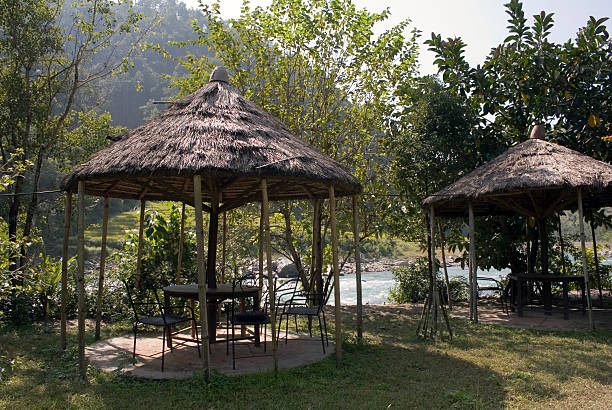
140, 242
334, 239
102, 268
357, 268
434, 271
179, 263
473, 268
197, 199
317, 252
266, 224
261, 246
448, 290
561, 244
596, 260
584, 260
81, 278
223, 247
67, 214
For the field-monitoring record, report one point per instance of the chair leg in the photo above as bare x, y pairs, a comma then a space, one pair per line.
135, 332
321, 330
226, 332
195, 328
287, 330
164, 347
310, 325
233, 348
325, 327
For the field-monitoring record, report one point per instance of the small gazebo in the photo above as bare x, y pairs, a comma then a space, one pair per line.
535, 178
216, 151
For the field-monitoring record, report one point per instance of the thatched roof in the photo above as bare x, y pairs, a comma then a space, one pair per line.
535, 178
219, 134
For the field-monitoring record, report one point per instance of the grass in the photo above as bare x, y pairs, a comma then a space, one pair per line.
483, 367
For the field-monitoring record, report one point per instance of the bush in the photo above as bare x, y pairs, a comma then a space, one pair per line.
412, 284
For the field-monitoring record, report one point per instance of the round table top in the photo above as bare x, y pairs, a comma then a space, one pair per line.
222, 290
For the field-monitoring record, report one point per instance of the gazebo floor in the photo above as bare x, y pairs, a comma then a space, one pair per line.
534, 317
115, 354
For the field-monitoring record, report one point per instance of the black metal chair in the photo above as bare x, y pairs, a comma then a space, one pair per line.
308, 304
243, 318
494, 285
148, 310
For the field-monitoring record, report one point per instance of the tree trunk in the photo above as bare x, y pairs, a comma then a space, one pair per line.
288, 236
32, 207
595, 259
542, 231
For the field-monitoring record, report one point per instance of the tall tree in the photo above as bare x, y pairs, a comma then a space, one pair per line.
317, 66
44, 67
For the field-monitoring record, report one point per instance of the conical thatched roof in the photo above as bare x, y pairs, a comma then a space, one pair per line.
219, 134
535, 178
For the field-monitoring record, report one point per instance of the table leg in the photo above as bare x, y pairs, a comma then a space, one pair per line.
168, 311
193, 322
519, 297
583, 294
565, 301
256, 328
212, 321
547, 296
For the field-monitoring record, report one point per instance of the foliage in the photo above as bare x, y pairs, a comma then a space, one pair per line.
320, 69
412, 284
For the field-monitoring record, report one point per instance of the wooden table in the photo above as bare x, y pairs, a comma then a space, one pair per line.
222, 292
517, 282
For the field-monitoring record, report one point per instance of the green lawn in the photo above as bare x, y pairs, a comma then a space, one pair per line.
483, 367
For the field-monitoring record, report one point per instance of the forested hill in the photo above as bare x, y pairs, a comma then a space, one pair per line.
128, 97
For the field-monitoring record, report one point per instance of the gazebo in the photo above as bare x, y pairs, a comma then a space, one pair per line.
216, 151
536, 178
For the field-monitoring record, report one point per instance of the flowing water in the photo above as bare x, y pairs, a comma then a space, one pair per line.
375, 286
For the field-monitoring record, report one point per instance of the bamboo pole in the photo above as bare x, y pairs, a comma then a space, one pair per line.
81, 279
561, 244
140, 242
102, 268
67, 214
179, 263
271, 296
334, 239
434, 272
223, 247
197, 199
473, 268
261, 246
584, 260
317, 256
448, 290
596, 260
357, 268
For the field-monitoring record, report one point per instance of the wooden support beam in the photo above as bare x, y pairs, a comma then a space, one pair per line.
140, 242
224, 247
213, 232
317, 249
334, 240
434, 275
179, 263
449, 300
67, 214
80, 279
197, 200
272, 297
473, 267
585, 270
357, 267
261, 246
102, 267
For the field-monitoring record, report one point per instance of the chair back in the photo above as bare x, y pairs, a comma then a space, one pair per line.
143, 301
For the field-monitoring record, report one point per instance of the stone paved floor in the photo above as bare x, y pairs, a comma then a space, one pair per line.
115, 355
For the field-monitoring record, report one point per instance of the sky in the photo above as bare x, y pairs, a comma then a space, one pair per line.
480, 23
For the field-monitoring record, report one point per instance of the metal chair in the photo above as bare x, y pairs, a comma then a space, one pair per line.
494, 286
247, 318
309, 304
148, 310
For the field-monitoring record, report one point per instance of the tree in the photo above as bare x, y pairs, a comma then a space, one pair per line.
318, 67
44, 68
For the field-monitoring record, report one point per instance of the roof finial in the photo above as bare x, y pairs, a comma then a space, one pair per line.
538, 132
219, 74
